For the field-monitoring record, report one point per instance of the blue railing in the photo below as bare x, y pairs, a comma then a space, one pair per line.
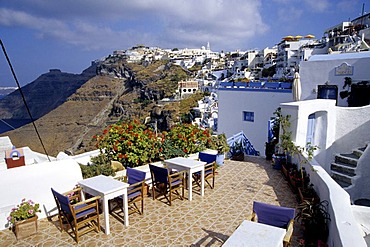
257, 85
242, 139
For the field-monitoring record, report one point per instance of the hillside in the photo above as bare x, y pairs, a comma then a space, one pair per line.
71, 125
44, 94
119, 92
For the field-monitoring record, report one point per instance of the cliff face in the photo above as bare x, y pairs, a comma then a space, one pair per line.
118, 92
43, 94
71, 126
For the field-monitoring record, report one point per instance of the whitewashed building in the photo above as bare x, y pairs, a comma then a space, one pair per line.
248, 108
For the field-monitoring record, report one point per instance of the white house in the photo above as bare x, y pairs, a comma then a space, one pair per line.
323, 76
337, 130
248, 108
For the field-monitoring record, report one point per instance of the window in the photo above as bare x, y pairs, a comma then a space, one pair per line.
248, 116
327, 92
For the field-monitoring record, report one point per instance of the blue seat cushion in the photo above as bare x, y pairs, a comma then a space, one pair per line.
205, 173
135, 194
176, 182
84, 213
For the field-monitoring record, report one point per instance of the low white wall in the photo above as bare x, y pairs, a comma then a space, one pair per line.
361, 182
362, 216
344, 230
34, 182
83, 159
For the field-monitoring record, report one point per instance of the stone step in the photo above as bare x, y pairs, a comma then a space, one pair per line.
343, 168
341, 178
358, 152
349, 159
343, 184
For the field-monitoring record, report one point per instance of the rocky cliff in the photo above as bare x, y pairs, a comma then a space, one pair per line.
120, 91
44, 94
70, 127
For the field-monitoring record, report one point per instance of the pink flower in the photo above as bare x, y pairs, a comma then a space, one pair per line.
13, 209
9, 218
30, 201
30, 211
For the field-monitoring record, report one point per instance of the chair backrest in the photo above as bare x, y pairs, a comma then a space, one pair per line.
135, 176
209, 158
159, 174
273, 215
63, 201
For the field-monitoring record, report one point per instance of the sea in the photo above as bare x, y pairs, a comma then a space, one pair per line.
11, 124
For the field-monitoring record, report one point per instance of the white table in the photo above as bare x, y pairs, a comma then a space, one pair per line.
190, 166
255, 234
108, 188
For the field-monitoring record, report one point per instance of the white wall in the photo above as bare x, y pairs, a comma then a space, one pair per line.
361, 182
34, 182
353, 128
344, 230
263, 103
320, 69
324, 137
337, 129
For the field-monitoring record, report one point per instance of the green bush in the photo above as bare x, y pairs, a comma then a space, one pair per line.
168, 150
99, 166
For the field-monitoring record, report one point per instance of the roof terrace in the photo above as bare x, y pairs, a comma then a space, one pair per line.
204, 221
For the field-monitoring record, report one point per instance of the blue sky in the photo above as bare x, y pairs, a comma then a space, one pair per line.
43, 34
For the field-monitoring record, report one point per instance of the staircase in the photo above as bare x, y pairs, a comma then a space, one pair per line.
246, 144
344, 167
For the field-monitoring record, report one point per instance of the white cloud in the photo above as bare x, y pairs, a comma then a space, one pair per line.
191, 22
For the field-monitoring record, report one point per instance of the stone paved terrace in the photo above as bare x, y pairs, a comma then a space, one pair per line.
205, 221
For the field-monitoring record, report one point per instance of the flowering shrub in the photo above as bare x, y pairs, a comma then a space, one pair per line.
130, 143
133, 144
190, 138
23, 211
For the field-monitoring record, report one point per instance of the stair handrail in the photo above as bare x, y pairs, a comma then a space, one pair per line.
246, 144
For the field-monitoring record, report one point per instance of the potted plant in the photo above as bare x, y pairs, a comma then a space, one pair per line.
219, 143
288, 149
237, 151
314, 217
286, 168
273, 136
23, 218
307, 193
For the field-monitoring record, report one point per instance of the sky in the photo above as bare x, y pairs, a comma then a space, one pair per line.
39, 35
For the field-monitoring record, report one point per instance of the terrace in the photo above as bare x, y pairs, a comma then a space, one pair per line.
205, 221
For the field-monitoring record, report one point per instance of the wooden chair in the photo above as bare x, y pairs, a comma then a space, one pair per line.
135, 192
274, 216
209, 169
82, 216
167, 183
